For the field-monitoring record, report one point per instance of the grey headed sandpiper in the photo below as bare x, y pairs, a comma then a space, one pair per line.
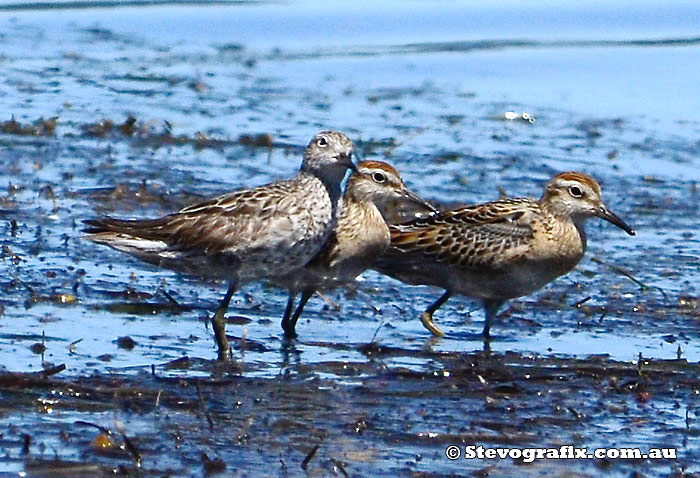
498, 250
245, 235
359, 238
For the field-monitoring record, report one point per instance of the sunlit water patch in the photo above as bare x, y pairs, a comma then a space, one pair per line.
139, 110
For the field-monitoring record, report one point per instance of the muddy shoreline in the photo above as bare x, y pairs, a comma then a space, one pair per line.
372, 418
141, 110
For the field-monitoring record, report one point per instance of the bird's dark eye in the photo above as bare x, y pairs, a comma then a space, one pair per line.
322, 142
378, 177
575, 191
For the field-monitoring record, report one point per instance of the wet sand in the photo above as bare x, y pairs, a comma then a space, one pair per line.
137, 111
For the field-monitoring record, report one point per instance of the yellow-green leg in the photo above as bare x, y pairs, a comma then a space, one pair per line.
218, 323
427, 316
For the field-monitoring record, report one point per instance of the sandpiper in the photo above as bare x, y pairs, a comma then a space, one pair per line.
245, 235
498, 250
373, 192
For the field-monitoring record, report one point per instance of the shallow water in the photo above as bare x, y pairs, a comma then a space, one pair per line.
422, 85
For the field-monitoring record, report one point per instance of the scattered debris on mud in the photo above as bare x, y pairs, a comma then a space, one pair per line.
149, 423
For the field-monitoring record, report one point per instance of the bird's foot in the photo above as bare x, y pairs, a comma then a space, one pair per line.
428, 323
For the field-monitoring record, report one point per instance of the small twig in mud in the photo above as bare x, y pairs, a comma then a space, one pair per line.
309, 457
170, 298
578, 304
47, 372
132, 449
129, 444
83, 423
22, 378
368, 298
328, 301
340, 465
374, 336
603, 315
26, 286
212, 467
204, 406
71, 347
43, 347
623, 272
182, 362
620, 271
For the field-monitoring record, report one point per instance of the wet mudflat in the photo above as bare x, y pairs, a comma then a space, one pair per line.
138, 111
351, 418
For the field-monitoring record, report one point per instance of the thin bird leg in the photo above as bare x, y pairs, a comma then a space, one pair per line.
218, 323
288, 310
427, 316
290, 332
491, 308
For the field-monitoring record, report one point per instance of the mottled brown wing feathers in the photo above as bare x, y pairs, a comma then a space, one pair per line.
243, 201
212, 226
471, 236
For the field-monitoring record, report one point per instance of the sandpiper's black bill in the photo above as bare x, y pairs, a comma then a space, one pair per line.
419, 200
612, 218
346, 160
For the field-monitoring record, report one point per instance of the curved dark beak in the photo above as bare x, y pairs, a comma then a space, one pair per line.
611, 217
345, 159
418, 201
